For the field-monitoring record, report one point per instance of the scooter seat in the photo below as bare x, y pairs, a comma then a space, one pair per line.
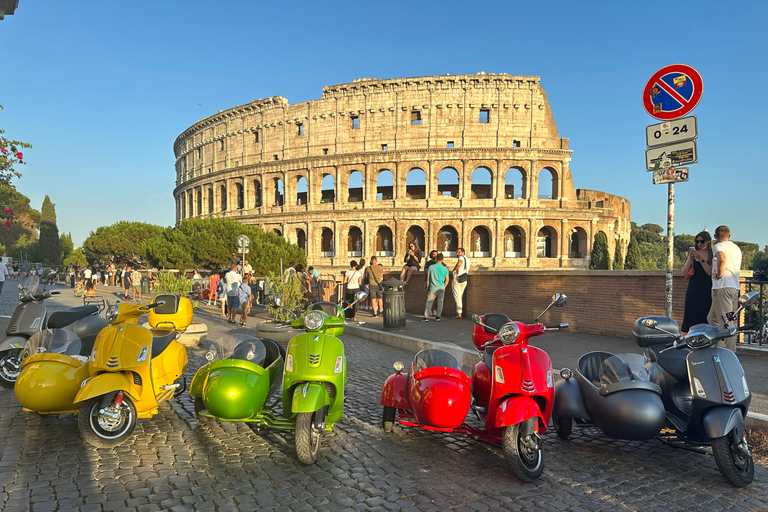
251, 350
61, 319
161, 338
672, 360
495, 321
590, 365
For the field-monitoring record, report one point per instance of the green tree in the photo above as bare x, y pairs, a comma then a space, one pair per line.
49, 245
76, 257
748, 253
760, 264
65, 240
618, 258
26, 220
123, 243
600, 259
680, 249
10, 157
632, 260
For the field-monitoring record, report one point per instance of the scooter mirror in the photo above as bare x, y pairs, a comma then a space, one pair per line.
651, 324
360, 296
276, 300
748, 299
476, 319
559, 299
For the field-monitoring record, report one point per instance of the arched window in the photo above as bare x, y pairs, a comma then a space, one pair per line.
257, 194
223, 192
482, 183
515, 183
199, 201
547, 183
416, 184
355, 242
210, 199
190, 210
277, 232
182, 206
546, 243
327, 242
301, 191
480, 244
355, 187
279, 193
384, 241
448, 241
416, 235
448, 183
384, 186
328, 190
514, 242
301, 239
577, 246
240, 196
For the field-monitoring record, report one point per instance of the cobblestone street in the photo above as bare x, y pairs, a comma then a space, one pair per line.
175, 462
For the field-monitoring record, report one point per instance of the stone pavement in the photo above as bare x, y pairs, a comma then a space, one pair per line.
176, 462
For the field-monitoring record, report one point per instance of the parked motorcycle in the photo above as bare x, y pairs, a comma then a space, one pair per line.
78, 325
130, 372
691, 386
510, 391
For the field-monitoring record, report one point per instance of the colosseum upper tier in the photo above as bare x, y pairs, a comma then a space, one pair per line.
471, 161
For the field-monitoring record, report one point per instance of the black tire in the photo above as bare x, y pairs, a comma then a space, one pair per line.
738, 469
8, 375
199, 405
526, 463
307, 439
388, 418
563, 426
97, 431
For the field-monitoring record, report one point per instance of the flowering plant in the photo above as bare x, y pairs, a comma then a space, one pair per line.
10, 155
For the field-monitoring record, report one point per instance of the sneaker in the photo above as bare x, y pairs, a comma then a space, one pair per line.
438, 319
425, 319
127, 299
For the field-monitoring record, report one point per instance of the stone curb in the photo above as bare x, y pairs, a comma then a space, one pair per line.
411, 344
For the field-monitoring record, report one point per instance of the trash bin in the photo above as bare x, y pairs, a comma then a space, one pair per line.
394, 304
144, 284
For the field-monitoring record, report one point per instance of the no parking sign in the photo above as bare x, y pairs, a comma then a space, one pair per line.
672, 92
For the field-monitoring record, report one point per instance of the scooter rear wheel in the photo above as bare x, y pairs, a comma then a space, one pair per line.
523, 454
307, 438
736, 467
102, 431
388, 416
8, 374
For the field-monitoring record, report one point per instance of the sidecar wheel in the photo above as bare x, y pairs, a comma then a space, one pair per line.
736, 467
9, 361
388, 418
307, 438
104, 432
563, 426
199, 405
523, 454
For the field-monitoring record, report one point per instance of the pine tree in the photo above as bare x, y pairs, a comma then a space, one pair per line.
49, 244
633, 255
600, 259
618, 259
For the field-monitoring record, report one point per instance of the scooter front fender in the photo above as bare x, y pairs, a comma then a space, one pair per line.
309, 397
394, 392
12, 343
107, 383
516, 410
719, 421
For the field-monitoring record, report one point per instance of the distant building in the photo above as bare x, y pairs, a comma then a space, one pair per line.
7, 7
470, 161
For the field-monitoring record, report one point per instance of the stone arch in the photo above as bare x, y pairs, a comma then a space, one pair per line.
480, 242
355, 187
515, 183
328, 189
514, 242
481, 183
415, 234
301, 239
578, 243
547, 178
416, 184
240, 195
546, 242
279, 192
355, 242
384, 242
210, 199
327, 243
385, 186
257, 196
277, 232
190, 209
223, 197
448, 241
199, 201
445, 183
302, 190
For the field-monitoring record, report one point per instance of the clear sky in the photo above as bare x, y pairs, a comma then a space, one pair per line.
102, 89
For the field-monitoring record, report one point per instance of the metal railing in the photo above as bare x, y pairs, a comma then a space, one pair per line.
756, 315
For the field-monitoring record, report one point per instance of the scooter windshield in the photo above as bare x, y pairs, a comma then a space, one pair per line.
245, 347
431, 357
29, 288
625, 367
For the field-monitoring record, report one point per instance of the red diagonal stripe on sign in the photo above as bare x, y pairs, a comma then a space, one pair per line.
672, 92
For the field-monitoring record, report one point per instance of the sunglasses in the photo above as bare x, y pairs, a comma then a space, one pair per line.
701, 241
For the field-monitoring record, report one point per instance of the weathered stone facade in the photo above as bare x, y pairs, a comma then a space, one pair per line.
470, 161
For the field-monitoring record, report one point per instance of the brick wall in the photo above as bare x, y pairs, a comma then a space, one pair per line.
599, 302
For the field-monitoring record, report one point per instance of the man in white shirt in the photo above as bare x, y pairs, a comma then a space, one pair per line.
726, 263
232, 280
247, 268
3, 276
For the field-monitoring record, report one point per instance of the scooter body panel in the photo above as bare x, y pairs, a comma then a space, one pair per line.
49, 383
568, 401
105, 383
394, 392
439, 396
234, 388
12, 343
309, 397
27, 319
482, 384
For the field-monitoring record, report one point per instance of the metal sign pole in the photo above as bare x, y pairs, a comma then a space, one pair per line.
670, 244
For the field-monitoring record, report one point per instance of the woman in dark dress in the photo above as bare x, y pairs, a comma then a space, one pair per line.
698, 297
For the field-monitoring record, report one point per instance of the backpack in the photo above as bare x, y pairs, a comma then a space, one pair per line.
242, 294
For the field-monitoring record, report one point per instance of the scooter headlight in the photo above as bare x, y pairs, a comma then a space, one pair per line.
508, 332
313, 320
398, 366
111, 313
210, 355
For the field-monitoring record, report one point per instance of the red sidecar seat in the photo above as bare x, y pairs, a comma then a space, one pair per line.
440, 392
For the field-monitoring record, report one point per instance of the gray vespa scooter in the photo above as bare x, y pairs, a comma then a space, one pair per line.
79, 327
690, 385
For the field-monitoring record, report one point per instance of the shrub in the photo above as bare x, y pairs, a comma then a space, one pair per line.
290, 295
173, 283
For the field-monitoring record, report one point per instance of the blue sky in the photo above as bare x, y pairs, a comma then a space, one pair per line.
102, 89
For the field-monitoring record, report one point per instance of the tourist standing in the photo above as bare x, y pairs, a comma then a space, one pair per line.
232, 280
460, 278
437, 277
126, 281
3, 276
375, 274
726, 263
136, 283
352, 281
698, 296
245, 297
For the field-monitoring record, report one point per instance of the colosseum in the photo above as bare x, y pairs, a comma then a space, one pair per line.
471, 161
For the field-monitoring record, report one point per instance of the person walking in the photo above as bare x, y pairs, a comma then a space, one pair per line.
352, 281
412, 262
71, 273
245, 297
233, 280
698, 296
460, 278
431, 261
726, 263
375, 274
438, 277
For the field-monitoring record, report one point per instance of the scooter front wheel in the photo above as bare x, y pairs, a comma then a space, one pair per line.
9, 368
388, 416
523, 453
106, 427
733, 463
307, 438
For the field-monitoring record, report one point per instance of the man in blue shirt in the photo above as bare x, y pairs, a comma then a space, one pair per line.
438, 280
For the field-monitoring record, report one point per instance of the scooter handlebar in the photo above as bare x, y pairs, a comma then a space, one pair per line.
557, 327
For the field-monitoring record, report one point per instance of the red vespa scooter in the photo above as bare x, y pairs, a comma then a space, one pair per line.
511, 390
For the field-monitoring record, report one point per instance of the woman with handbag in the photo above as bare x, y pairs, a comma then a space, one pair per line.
460, 278
698, 271
352, 281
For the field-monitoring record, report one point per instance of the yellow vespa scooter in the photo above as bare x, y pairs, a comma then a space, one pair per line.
130, 372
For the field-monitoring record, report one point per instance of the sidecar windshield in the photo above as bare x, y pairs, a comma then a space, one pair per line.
29, 288
431, 357
245, 347
625, 367
57, 341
